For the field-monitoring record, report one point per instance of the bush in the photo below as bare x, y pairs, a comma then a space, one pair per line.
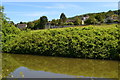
86, 42
70, 23
9, 31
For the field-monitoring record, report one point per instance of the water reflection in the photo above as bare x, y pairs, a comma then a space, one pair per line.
42, 66
22, 72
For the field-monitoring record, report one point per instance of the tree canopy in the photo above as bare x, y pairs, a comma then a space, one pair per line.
62, 18
43, 21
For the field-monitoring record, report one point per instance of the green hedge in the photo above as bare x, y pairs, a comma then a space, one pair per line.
9, 31
84, 42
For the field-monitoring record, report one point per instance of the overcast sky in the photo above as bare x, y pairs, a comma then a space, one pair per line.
29, 11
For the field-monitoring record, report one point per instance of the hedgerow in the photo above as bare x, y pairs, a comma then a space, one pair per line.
82, 42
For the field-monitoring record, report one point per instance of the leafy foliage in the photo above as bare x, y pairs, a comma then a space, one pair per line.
8, 30
87, 42
30, 25
62, 18
91, 20
77, 21
43, 21
94, 18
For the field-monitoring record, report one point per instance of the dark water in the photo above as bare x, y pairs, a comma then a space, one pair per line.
29, 66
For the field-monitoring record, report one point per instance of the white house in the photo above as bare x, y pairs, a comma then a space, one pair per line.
84, 19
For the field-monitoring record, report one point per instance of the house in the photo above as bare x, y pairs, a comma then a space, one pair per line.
22, 26
84, 19
70, 20
112, 18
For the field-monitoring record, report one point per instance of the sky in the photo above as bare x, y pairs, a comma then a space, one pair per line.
60, 0
29, 11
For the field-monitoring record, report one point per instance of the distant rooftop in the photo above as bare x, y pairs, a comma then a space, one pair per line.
21, 26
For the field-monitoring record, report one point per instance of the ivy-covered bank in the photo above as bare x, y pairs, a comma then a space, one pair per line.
84, 42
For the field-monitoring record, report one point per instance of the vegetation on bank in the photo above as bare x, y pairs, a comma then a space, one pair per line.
7, 30
85, 19
82, 42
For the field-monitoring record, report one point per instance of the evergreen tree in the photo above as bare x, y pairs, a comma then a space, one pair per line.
62, 19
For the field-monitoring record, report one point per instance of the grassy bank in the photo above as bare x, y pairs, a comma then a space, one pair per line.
84, 42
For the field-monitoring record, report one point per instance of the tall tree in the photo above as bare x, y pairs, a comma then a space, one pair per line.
43, 21
8, 30
3, 17
1, 12
62, 18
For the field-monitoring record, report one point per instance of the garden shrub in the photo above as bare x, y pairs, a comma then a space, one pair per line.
82, 42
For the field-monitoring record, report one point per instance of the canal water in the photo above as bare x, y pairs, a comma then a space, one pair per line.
32, 66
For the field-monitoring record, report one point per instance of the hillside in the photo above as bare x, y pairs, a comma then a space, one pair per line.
107, 14
85, 19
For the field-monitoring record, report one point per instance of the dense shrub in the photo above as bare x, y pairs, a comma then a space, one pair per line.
86, 42
9, 31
